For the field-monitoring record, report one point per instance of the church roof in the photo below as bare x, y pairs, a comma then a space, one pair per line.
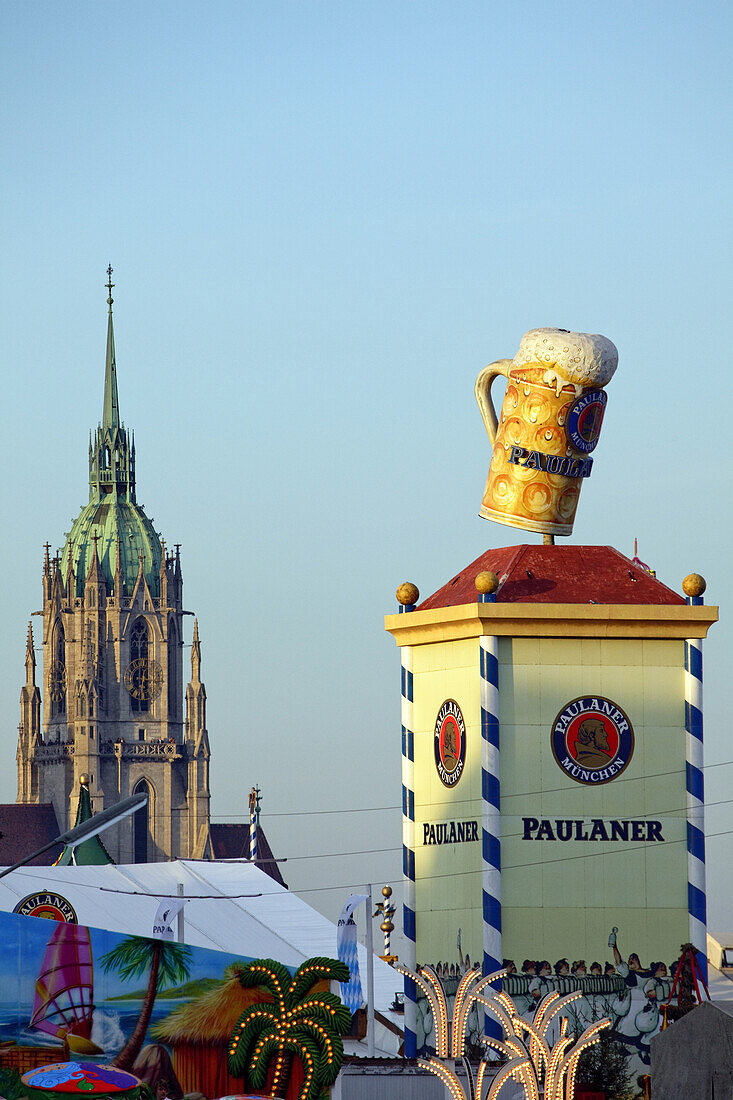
118, 523
25, 827
232, 842
556, 574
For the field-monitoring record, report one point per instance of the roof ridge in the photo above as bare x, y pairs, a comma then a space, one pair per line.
513, 563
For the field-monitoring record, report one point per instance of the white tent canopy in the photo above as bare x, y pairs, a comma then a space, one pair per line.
232, 906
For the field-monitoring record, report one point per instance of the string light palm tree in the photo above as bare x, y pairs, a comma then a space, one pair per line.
541, 1069
299, 1023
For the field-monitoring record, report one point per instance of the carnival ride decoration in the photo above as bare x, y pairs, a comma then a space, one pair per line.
541, 1069
80, 1079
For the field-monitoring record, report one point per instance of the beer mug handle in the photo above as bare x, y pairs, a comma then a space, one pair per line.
483, 394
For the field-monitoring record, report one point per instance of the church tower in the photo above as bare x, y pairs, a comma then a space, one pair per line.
113, 667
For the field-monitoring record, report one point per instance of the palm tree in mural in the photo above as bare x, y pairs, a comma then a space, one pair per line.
299, 1022
166, 963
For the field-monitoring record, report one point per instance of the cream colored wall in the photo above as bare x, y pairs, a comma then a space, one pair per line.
640, 888
558, 900
448, 877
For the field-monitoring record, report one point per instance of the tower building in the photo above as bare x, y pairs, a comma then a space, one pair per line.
114, 707
552, 734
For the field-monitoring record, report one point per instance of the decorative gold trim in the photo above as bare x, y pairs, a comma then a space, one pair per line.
551, 620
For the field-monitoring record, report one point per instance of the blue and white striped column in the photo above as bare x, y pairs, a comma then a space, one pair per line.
254, 822
487, 583
694, 586
408, 592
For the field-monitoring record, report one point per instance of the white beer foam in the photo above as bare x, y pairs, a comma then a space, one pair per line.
582, 359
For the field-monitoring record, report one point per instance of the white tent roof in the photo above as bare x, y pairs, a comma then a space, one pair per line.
233, 906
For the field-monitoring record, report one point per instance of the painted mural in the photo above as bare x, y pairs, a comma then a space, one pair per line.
621, 988
161, 1010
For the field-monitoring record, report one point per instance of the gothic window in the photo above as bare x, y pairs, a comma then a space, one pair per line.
141, 823
139, 644
106, 458
82, 707
58, 671
100, 665
172, 664
91, 706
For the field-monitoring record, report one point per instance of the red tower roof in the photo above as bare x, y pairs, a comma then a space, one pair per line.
556, 574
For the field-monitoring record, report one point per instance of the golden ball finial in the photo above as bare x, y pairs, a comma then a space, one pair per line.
84, 780
693, 585
408, 593
486, 583
387, 891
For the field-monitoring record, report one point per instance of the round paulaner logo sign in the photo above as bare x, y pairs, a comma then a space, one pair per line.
47, 904
585, 417
592, 740
450, 743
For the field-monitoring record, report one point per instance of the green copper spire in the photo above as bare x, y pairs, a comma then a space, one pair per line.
90, 852
111, 412
124, 531
111, 458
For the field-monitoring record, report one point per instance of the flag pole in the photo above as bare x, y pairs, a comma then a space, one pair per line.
181, 935
370, 974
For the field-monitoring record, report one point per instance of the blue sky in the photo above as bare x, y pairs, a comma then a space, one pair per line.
325, 219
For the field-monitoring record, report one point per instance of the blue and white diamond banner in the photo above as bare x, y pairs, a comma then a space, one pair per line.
346, 949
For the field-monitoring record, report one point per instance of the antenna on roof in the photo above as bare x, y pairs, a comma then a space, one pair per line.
641, 564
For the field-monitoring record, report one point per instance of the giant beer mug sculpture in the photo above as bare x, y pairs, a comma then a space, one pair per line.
549, 423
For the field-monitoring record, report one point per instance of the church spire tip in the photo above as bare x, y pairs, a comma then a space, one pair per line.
111, 411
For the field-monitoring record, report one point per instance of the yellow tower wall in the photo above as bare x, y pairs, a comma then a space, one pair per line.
559, 897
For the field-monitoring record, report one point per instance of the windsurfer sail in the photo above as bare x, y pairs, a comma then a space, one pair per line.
63, 1003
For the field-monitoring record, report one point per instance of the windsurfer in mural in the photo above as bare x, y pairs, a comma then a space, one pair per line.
63, 1005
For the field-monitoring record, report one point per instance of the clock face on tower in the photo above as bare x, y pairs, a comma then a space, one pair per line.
144, 679
57, 681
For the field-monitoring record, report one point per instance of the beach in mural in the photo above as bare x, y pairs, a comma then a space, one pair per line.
113, 1021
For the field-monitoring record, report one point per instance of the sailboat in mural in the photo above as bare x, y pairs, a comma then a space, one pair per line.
64, 997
